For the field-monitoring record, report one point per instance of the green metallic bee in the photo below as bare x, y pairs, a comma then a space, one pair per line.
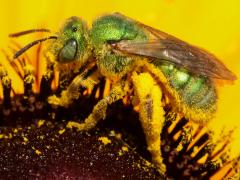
157, 66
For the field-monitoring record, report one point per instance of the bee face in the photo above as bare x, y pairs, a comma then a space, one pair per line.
71, 44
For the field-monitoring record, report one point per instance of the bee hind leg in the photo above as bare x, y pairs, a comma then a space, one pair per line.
99, 110
151, 114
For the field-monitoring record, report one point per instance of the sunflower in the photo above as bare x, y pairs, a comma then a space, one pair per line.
207, 152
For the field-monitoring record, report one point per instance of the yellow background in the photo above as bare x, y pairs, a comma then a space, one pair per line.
211, 24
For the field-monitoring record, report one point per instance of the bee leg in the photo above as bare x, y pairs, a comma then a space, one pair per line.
73, 90
151, 114
99, 110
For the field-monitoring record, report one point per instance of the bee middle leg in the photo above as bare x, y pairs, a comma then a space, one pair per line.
99, 110
151, 114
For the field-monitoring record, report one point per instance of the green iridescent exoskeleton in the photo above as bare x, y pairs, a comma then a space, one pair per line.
145, 64
71, 42
112, 29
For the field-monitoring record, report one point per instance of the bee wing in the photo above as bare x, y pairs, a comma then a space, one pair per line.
165, 47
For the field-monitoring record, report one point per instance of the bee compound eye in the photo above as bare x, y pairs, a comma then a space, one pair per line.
68, 52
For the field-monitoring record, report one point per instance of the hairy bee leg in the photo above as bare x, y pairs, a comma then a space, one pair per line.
99, 110
73, 90
151, 114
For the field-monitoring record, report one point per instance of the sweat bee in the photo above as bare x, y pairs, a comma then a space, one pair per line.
157, 66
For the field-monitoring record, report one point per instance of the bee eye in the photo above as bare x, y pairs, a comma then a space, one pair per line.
74, 29
68, 52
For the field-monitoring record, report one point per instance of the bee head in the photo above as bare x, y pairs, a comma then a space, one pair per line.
72, 42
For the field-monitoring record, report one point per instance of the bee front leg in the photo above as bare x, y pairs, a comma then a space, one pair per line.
151, 114
99, 110
73, 90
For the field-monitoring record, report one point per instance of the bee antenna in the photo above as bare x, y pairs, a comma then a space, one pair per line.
28, 46
14, 35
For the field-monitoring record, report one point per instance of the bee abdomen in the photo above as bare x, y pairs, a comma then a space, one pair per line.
197, 93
